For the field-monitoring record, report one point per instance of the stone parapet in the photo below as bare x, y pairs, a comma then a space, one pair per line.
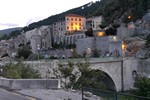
30, 83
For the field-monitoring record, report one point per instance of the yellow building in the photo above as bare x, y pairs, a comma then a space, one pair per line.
69, 23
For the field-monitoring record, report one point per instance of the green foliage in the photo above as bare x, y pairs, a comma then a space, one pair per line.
66, 71
83, 67
111, 31
89, 32
102, 26
19, 71
89, 78
115, 25
24, 51
88, 11
12, 34
143, 86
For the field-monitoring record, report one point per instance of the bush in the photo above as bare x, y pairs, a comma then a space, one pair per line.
142, 84
20, 70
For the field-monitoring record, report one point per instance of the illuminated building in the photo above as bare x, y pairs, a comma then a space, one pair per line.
69, 23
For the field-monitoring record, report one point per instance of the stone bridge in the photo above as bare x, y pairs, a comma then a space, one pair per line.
120, 73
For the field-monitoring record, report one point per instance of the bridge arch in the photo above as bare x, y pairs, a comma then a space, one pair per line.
108, 82
96, 78
112, 70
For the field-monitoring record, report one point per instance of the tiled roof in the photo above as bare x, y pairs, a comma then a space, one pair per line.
74, 15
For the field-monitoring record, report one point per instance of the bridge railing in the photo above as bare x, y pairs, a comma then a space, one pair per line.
97, 94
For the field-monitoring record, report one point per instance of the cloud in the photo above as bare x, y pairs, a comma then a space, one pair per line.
34, 19
9, 24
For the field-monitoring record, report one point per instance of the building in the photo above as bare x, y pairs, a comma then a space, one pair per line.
105, 46
40, 38
94, 22
69, 23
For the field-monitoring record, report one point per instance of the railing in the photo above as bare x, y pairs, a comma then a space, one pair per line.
97, 94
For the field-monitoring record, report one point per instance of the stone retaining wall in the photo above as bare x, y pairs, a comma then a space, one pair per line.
30, 83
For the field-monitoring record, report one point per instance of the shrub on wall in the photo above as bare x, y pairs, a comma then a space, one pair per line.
19, 71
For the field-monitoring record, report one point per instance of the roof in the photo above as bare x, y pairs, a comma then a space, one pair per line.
74, 15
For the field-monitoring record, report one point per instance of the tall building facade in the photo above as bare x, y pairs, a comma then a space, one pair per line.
94, 22
69, 23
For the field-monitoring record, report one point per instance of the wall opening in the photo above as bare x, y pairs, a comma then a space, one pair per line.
109, 83
97, 79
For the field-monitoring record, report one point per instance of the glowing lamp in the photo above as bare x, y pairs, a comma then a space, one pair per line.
100, 34
129, 17
115, 38
123, 46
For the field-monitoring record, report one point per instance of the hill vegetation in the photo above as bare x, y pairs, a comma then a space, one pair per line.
110, 9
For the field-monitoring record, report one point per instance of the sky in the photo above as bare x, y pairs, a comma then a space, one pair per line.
20, 13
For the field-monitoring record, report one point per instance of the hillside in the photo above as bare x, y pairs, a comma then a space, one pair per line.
7, 31
86, 10
110, 9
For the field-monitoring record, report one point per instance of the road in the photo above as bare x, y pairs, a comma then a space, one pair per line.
6, 95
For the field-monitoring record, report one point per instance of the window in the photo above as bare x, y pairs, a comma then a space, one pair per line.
79, 24
93, 26
76, 23
71, 23
75, 19
79, 19
67, 18
72, 19
68, 27
61, 29
80, 28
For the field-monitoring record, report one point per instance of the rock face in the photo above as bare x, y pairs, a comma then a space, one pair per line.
143, 26
144, 67
134, 45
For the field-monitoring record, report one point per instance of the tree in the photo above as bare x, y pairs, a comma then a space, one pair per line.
102, 26
89, 32
142, 85
111, 31
89, 78
20, 70
24, 51
66, 71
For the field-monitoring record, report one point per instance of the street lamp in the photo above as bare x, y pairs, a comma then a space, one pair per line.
129, 17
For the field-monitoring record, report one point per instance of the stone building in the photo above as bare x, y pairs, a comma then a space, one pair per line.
67, 25
86, 45
40, 38
124, 32
94, 22
105, 46
109, 46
